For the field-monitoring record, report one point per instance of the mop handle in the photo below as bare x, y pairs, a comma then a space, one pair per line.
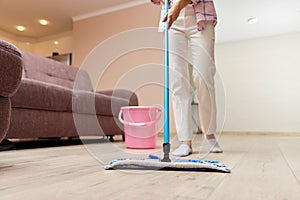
166, 80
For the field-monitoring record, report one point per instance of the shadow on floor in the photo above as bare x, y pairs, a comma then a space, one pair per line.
7, 145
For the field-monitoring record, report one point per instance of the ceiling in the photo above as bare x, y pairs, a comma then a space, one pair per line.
273, 16
58, 12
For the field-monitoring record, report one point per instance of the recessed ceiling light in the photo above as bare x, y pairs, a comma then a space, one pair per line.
20, 28
252, 21
43, 22
56, 42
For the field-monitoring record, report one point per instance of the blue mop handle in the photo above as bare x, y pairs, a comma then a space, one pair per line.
166, 80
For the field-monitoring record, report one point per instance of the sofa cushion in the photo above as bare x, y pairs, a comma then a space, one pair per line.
34, 94
27, 123
54, 72
11, 65
89, 103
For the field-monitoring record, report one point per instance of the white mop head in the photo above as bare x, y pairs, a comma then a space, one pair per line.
154, 163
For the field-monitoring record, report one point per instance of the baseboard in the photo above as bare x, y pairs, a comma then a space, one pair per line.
261, 133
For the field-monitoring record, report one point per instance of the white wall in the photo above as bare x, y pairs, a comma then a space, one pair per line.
45, 46
8, 37
41, 46
262, 84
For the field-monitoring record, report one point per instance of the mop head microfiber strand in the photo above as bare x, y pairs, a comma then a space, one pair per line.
155, 163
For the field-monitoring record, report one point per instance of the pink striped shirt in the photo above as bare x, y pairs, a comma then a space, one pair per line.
204, 12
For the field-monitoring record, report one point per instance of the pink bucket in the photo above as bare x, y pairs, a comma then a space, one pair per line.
140, 126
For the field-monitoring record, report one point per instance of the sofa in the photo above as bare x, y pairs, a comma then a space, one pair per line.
56, 100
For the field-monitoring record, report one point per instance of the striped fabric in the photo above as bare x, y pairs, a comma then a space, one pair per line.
204, 12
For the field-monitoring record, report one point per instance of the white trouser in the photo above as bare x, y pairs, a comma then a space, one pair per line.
184, 37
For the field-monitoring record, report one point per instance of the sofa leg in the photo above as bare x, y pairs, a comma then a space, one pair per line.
123, 137
73, 138
111, 138
6, 145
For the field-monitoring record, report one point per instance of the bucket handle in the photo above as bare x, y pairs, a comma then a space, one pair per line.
140, 123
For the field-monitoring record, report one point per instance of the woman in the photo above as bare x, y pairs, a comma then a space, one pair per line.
191, 24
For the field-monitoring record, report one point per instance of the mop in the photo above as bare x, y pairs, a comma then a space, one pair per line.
154, 162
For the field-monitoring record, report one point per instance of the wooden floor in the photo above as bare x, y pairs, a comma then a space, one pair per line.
263, 167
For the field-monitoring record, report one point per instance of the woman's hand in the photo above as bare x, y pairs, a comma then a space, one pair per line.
162, 2
173, 13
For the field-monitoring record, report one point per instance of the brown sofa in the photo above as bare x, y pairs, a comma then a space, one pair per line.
10, 78
47, 105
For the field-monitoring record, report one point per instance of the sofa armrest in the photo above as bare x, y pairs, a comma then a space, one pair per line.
11, 65
122, 93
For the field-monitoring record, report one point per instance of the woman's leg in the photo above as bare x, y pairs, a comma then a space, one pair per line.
181, 90
202, 48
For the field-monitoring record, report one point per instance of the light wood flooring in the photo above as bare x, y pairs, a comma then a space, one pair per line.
264, 167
